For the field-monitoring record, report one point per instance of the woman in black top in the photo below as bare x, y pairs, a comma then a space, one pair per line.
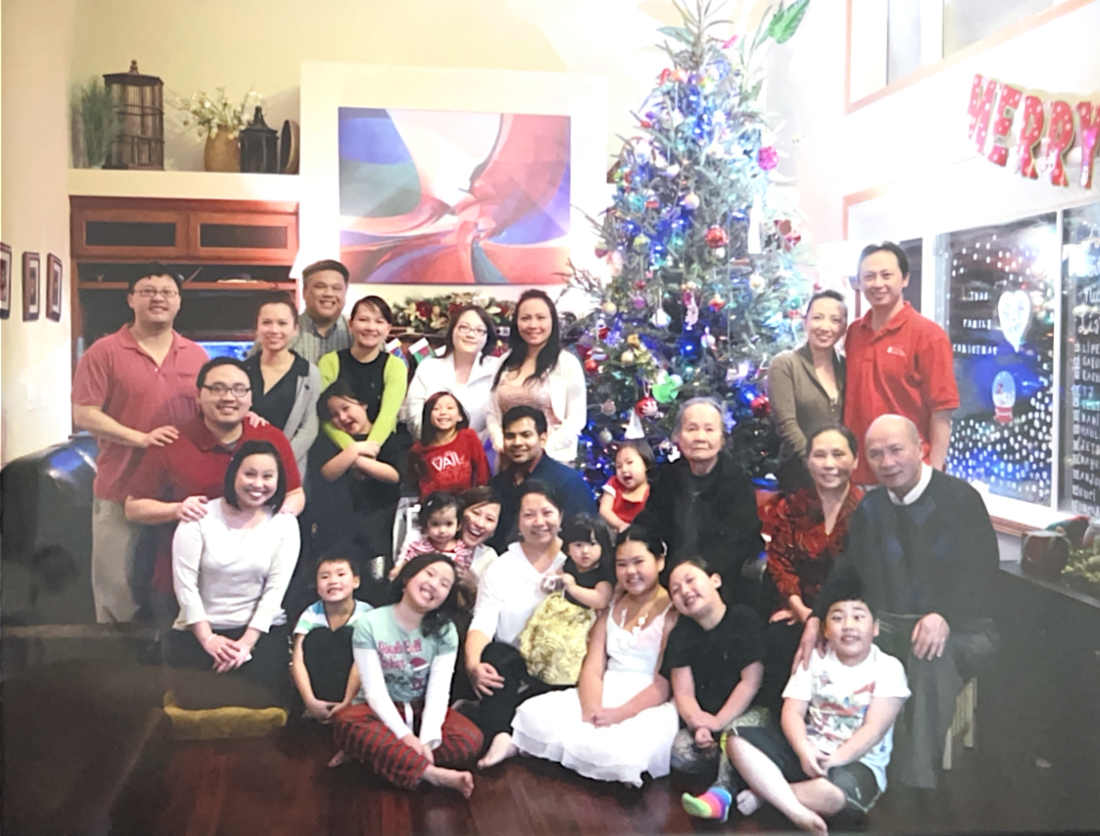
285, 386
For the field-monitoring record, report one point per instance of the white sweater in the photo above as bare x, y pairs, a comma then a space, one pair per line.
233, 577
437, 374
569, 399
508, 593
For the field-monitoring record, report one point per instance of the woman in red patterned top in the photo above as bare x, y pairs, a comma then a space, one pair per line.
449, 456
810, 531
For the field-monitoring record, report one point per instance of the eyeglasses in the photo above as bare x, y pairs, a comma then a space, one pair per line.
467, 330
153, 293
220, 390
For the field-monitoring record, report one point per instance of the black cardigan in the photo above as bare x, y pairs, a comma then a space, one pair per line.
945, 564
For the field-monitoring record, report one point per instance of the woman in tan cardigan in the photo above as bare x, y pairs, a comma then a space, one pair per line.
806, 386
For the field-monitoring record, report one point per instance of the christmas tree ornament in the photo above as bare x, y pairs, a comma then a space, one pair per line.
760, 406
717, 237
639, 302
641, 242
605, 437
640, 284
756, 282
634, 428
591, 366
660, 318
679, 75
671, 170
720, 254
646, 407
609, 308
767, 158
690, 201
608, 408
716, 303
627, 357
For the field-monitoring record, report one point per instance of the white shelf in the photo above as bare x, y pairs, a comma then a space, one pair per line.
209, 185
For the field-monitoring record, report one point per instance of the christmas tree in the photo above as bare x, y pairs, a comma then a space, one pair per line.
699, 244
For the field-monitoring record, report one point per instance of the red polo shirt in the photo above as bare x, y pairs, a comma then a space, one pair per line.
116, 375
195, 465
904, 368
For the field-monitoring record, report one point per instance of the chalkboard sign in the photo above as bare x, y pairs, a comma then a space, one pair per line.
1000, 319
1081, 358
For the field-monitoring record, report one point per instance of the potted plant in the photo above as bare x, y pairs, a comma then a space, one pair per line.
221, 122
94, 122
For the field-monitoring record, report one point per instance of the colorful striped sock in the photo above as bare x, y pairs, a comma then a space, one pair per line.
713, 804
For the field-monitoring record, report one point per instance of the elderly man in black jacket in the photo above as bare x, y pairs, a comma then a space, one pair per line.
704, 504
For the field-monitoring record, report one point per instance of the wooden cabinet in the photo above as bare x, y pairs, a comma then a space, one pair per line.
171, 230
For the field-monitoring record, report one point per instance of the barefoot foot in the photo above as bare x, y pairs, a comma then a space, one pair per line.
339, 758
462, 782
748, 802
500, 750
811, 822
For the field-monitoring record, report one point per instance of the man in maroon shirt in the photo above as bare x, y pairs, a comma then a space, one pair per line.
175, 483
132, 390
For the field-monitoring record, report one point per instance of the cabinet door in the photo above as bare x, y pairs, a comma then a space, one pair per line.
244, 237
118, 233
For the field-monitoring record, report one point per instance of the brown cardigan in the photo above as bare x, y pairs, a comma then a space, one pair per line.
798, 400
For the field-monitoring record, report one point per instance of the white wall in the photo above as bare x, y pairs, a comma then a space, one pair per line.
34, 216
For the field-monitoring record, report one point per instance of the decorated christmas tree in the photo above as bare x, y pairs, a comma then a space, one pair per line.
699, 244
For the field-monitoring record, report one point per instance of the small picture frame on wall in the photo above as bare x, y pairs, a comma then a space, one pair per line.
53, 287
5, 281
31, 270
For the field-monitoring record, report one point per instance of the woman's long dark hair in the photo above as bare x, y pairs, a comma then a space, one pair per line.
255, 447
548, 356
435, 620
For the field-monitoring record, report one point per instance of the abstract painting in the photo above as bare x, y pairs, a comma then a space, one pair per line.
453, 197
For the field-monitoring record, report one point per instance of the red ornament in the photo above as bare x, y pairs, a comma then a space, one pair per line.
717, 237
767, 158
424, 309
760, 406
603, 332
645, 123
665, 73
639, 285
716, 304
646, 407
591, 366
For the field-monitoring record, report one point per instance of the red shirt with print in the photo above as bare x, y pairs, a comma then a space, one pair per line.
456, 466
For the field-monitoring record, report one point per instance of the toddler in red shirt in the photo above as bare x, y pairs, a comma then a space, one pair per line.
626, 492
449, 456
438, 522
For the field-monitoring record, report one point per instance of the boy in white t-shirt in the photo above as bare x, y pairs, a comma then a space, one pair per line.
838, 720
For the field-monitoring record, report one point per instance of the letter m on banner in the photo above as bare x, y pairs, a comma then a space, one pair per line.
982, 93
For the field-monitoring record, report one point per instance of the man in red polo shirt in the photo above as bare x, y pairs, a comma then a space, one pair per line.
174, 483
132, 390
899, 362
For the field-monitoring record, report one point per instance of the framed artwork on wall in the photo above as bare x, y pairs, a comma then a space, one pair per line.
53, 287
31, 302
5, 281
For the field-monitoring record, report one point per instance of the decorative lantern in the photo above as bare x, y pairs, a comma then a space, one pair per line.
259, 146
139, 104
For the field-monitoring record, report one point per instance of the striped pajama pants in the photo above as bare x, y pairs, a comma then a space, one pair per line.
360, 733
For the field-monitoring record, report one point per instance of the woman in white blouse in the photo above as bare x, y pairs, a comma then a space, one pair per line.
539, 373
466, 370
230, 571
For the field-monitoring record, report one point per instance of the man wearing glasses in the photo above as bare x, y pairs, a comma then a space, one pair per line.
133, 389
175, 483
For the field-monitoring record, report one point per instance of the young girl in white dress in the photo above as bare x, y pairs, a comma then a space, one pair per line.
618, 722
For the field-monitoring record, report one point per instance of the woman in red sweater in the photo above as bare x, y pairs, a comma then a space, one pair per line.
449, 456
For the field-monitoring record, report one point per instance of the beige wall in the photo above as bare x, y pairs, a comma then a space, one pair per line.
34, 216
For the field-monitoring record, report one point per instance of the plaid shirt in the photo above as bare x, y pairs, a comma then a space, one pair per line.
312, 345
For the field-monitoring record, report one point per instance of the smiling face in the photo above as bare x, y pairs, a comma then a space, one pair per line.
629, 468
850, 629
442, 526
276, 326
586, 554
479, 523
155, 300
894, 452
637, 568
324, 294
369, 328
539, 519
882, 281
535, 322
257, 480
522, 442
336, 581
470, 334
831, 461
826, 323
700, 434
348, 415
446, 414
429, 588
216, 399
694, 592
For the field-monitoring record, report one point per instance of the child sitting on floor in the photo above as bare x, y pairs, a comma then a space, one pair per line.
406, 655
626, 492
837, 726
449, 456
715, 663
321, 662
438, 523
556, 636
